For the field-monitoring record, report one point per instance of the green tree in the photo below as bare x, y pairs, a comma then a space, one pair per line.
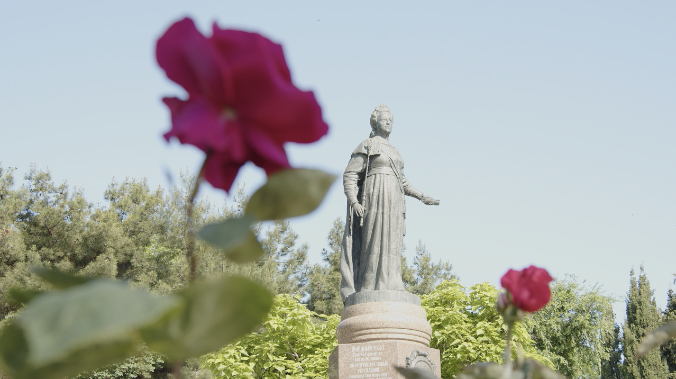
50, 225
612, 368
290, 260
427, 274
146, 364
43, 224
468, 329
642, 318
323, 287
293, 343
149, 229
283, 266
139, 236
669, 349
15, 259
574, 328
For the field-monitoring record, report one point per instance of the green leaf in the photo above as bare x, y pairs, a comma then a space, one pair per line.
14, 355
23, 296
13, 349
214, 313
59, 279
63, 333
289, 193
485, 370
415, 373
234, 235
656, 338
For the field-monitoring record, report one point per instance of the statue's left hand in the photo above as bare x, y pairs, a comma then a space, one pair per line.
429, 201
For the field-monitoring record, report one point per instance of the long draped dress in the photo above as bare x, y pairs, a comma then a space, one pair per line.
371, 253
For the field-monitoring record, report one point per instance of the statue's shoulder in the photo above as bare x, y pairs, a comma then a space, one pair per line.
362, 147
371, 145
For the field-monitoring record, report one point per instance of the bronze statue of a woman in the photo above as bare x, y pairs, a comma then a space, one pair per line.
375, 186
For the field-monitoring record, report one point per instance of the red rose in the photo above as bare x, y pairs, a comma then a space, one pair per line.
528, 288
241, 106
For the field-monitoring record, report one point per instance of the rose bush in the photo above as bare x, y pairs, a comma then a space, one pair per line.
528, 289
241, 106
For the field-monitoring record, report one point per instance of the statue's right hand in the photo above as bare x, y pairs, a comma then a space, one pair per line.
359, 209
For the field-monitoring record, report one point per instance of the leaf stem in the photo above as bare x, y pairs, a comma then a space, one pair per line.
190, 246
176, 369
508, 353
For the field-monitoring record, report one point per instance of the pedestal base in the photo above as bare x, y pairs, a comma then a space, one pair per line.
377, 359
380, 331
384, 320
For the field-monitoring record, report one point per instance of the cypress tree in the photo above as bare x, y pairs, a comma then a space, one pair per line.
611, 368
323, 286
669, 349
642, 318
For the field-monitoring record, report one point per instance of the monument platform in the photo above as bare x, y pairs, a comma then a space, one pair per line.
378, 331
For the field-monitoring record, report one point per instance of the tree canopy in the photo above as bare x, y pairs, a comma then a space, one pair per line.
574, 328
669, 349
642, 318
140, 235
467, 327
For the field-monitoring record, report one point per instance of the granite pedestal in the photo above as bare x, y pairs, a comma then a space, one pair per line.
378, 331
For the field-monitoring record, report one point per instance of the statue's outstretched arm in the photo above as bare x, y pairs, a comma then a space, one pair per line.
409, 190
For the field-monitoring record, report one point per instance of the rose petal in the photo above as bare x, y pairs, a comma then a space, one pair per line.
237, 42
220, 170
198, 123
266, 153
529, 288
189, 60
238, 148
265, 95
242, 105
510, 277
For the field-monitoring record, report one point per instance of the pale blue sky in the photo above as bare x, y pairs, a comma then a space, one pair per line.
547, 130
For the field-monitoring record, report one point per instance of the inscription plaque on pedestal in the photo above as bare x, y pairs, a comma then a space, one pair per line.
377, 359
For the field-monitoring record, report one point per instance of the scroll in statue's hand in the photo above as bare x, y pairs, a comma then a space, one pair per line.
359, 209
429, 201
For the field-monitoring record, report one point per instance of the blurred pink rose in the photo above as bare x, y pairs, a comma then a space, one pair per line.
241, 106
528, 288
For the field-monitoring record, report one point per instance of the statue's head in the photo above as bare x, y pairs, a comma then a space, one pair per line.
382, 119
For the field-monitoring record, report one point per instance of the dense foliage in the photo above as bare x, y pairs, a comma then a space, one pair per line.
139, 235
424, 275
467, 328
669, 349
294, 342
324, 280
573, 329
642, 318
146, 364
612, 368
